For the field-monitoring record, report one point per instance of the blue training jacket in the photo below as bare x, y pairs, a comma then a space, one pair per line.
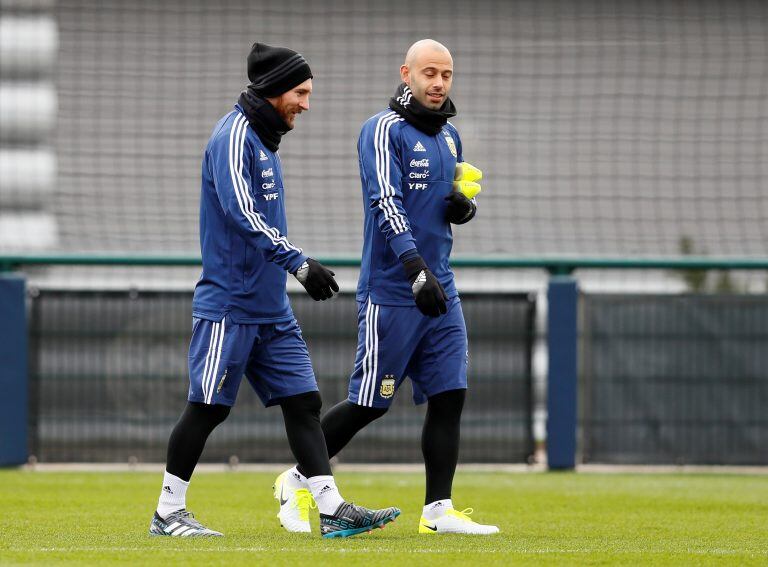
406, 175
246, 256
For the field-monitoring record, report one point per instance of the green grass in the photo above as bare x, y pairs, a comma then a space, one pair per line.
545, 519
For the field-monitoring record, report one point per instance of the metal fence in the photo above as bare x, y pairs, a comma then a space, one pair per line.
108, 379
675, 379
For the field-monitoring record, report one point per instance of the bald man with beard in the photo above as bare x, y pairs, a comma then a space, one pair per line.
410, 322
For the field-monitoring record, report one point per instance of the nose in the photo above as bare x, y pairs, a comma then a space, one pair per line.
304, 104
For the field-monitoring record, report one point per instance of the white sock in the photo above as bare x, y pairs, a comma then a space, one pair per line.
295, 480
327, 496
436, 509
173, 495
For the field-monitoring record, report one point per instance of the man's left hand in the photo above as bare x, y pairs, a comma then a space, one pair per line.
317, 280
460, 209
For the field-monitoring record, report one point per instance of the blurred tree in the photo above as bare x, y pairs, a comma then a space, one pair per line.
696, 280
725, 284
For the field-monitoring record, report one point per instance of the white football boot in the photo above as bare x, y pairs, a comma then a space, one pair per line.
294, 505
455, 522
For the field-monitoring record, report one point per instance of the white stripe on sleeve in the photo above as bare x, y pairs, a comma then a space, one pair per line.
381, 147
386, 202
244, 200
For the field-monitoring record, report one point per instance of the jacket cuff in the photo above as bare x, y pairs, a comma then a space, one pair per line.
295, 263
402, 243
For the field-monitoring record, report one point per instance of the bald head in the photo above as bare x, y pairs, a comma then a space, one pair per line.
428, 71
423, 47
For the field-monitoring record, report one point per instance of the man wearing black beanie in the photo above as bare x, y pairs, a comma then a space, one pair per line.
243, 322
281, 82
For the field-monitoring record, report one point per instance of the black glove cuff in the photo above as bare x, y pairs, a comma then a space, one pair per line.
413, 268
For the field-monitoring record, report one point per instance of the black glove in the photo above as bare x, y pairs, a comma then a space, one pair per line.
429, 294
460, 209
317, 280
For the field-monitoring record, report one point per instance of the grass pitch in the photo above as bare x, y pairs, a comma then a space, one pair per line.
586, 519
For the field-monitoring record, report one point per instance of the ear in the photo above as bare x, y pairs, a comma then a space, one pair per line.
405, 74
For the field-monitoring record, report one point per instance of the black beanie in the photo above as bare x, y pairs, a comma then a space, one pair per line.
275, 70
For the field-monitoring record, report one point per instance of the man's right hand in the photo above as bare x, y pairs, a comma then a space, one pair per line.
317, 280
429, 294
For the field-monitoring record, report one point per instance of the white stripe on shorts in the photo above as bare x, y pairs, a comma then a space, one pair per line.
214, 374
209, 358
362, 395
371, 360
375, 352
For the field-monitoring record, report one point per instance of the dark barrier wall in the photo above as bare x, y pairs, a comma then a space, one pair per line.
13, 371
109, 379
675, 379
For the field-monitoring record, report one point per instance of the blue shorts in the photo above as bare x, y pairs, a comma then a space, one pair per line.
273, 357
395, 342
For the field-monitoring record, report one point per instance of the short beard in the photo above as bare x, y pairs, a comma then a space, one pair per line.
284, 116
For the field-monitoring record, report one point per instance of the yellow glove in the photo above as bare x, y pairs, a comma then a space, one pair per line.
467, 172
465, 177
467, 188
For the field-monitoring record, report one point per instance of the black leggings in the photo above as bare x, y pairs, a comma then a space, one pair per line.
439, 438
302, 424
305, 436
189, 436
440, 442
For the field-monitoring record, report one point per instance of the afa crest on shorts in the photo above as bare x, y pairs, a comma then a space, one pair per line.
387, 389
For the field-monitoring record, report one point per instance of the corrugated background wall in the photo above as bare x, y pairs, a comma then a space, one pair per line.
602, 127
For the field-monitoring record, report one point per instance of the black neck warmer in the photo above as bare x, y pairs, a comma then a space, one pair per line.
263, 118
428, 121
